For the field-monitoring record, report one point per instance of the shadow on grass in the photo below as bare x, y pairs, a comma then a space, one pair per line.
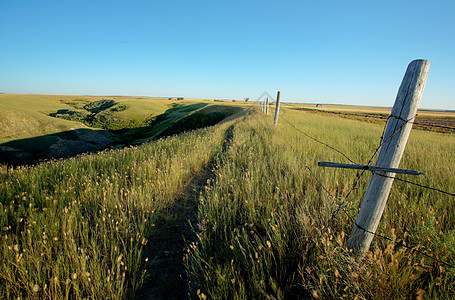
178, 119
52, 146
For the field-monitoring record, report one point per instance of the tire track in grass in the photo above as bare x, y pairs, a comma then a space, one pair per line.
175, 230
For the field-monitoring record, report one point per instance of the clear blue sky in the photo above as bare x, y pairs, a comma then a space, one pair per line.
345, 52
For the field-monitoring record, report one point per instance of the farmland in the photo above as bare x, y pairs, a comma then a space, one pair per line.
237, 209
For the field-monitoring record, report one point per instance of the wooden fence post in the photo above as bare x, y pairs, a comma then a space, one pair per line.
277, 108
395, 138
267, 106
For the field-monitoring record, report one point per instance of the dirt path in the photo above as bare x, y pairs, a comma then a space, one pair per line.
175, 229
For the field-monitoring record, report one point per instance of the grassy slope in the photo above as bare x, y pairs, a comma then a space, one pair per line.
22, 116
25, 116
29, 134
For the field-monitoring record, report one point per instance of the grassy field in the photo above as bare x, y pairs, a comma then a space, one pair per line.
80, 227
426, 119
373, 109
39, 127
99, 225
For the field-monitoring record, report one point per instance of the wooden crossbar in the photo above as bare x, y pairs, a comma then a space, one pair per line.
369, 168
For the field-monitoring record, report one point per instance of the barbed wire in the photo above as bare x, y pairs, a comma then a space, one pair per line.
306, 166
316, 140
417, 184
383, 141
341, 205
402, 244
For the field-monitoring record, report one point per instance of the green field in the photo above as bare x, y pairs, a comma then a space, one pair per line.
236, 210
25, 116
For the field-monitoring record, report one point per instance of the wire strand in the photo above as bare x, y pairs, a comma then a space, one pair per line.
417, 184
316, 140
397, 243
341, 205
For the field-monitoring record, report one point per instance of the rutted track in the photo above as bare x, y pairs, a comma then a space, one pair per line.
175, 230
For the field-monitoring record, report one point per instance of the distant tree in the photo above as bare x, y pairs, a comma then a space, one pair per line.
246, 99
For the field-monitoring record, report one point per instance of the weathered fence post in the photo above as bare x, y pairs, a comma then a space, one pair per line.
267, 106
395, 138
277, 108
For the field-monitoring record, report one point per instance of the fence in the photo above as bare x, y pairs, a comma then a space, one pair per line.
399, 122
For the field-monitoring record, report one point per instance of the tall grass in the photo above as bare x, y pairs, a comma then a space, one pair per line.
263, 220
79, 227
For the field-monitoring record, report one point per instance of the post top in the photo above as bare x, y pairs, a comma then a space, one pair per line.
421, 61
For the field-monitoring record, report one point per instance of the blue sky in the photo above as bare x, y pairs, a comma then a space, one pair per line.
344, 52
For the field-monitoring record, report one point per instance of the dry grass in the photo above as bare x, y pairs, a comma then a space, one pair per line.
263, 218
79, 228
72, 229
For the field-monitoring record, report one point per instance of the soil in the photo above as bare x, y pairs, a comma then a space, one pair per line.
437, 124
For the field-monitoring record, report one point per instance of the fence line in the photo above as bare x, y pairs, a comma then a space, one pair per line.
374, 152
341, 205
306, 166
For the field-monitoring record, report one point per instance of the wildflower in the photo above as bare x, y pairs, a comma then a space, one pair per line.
35, 288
